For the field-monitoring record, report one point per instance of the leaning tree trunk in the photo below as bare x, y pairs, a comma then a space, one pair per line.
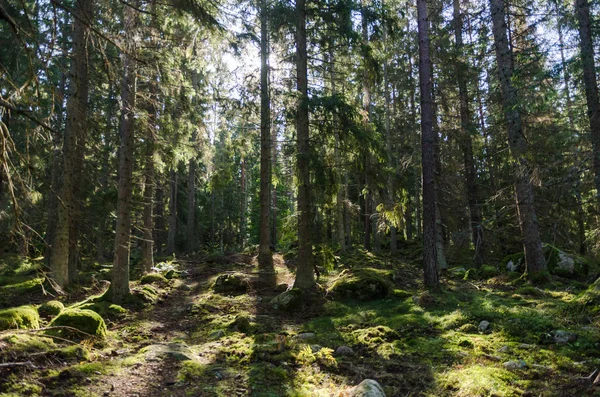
74, 140
120, 273
265, 258
532, 243
305, 276
465, 142
582, 10
427, 147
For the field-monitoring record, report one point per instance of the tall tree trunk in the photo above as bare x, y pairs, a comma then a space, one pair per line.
367, 109
244, 201
74, 141
415, 138
159, 229
427, 147
274, 208
467, 128
172, 211
517, 143
582, 9
191, 210
388, 149
149, 182
120, 274
305, 275
265, 258
56, 160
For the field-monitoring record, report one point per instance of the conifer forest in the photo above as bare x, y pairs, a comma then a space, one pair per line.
346, 198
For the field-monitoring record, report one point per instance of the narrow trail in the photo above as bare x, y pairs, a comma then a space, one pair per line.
171, 323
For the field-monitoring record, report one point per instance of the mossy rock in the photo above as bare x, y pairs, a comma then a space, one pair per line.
233, 284
242, 323
87, 321
50, 308
565, 264
76, 353
24, 317
363, 284
289, 300
105, 309
27, 343
483, 273
154, 278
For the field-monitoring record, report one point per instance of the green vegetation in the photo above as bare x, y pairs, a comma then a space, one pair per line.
152, 278
89, 323
50, 308
23, 317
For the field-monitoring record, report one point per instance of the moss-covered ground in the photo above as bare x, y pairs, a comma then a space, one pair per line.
182, 336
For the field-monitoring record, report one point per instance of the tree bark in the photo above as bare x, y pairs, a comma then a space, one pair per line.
74, 141
159, 229
367, 115
172, 211
191, 210
120, 274
427, 147
265, 258
149, 182
582, 9
532, 243
465, 142
305, 276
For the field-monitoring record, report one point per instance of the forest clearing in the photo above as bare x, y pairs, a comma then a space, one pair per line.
299, 198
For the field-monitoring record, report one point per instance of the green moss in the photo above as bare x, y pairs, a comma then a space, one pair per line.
233, 284
20, 387
154, 278
73, 352
373, 336
86, 321
362, 284
479, 380
24, 317
483, 273
530, 291
50, 308
27, 343
104, 308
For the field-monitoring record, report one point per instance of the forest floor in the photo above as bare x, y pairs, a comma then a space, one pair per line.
194, 341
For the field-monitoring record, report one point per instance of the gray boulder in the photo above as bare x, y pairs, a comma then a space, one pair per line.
367, 388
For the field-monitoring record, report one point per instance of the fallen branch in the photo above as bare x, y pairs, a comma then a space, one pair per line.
21, 364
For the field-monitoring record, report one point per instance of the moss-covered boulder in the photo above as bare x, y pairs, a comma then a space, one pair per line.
565, 264
105, 309
363, 284
50, 308
559, 263
24, 317
483, 273
233, 284
288, 301
87, 322
154, 278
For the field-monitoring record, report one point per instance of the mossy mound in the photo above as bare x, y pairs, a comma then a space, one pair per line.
363, 284
154, 278
25, 317
86, 321
483, 273
558, 262
288, 301
27, 343
234, 284
50, 308
105, 309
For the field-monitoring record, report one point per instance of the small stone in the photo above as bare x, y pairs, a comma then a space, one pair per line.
306, 335
186, 287
562, 337
367, 388
504, 349
483, 326
526, 346
315, 348
518, 364
344, 351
